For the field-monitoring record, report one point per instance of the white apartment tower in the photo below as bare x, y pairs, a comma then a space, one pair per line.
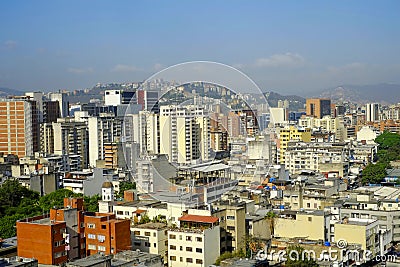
184, 134
372, 112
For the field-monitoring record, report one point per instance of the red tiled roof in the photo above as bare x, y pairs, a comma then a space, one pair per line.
198, 218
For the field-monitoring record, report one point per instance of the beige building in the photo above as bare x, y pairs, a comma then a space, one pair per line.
232, 222
184, 134
195, 242
358, 231
308, 225
151, 238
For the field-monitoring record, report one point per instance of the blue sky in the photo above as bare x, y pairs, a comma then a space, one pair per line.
285, 46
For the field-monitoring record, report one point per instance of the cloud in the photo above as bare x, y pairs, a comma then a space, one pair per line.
281, 60
80, 70
355, 66
124, 68
10, 44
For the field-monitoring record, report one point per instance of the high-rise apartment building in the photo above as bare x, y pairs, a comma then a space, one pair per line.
19, 129
71, 138
372, 112
63, 102
184, 134
318, 107
105, 128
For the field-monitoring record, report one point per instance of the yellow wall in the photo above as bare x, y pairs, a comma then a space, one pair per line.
353, 234
301, 227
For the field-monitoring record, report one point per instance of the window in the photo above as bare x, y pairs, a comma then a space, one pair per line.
198, 261
147, 233
120, 212
181, 259
180, 248
230, 228
136, 232
230, 217
155, 245
103, 226
126, 212
308, 205
188, 238
172, 247
101, 248
189, 260
310, 219
154, 234
199, 239
91, 226
92, 247
172, 258
147, 244
189, 249
137, 243
101, 238
91, 236
172, 236
199, 250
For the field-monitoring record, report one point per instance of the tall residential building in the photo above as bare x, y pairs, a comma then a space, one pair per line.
318, 107
104, 129
291, 133
63, 102
372, 112
184, 134
19, 129
71, 138
148, 100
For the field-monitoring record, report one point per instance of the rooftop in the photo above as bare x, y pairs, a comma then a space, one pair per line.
151, 225
198, 218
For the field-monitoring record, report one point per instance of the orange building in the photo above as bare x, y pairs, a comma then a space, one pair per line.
318, 107
106, 234
71, 233
19, 129
42, 239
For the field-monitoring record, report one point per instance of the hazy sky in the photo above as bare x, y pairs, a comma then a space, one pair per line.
285, 46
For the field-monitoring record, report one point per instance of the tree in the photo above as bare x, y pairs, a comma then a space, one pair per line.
123, 186
388, 140
91, 203
55, 199
12, 194
144, 219
374, 173
297, 258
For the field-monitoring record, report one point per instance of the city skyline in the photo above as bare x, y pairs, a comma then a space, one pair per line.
285, 47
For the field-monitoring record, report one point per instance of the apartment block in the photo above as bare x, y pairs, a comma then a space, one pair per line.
43, 239
318, 157
106, 234
359, 231
309, 225
151, 238
195, 242
291, 133
19, 127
